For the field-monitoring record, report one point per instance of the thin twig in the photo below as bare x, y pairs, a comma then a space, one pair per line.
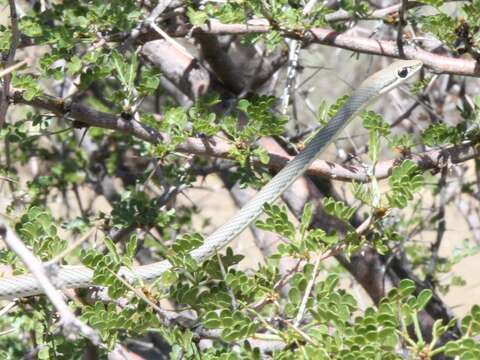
401, 23
277, 286
441, 227
12, 68
72, 246
7, 308
379, 14
224, 275
293, 56
303, 305
171, 41
135, 33
70, 324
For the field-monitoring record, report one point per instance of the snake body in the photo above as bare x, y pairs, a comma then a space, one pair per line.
80, 276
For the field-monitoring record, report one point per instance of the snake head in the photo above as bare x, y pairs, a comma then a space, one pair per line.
394, 74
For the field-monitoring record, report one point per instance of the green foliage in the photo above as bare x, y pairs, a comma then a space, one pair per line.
232, 12
277, 221
435, 3
325, 112
91, 54
204, 121
338, 209
458, 33
115, 324
5, 38
234, 324
105, 268
137, 208
442, 26
261, 120
419, 86
35, 319
441, 134
300, 242
404, 182
402, 143
37, 229
356, 8
28, 84
472, 15
377, 128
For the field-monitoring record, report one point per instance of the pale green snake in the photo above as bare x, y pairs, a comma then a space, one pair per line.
81, 276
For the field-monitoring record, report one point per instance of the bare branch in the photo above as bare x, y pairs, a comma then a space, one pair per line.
306, 295
389, 11
438, 63
218, 148
68, 321
441, 227
186, 73
12, 68
401, 23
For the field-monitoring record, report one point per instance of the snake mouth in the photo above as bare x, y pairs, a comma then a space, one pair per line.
395, 74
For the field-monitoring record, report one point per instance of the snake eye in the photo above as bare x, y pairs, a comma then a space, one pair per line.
403, 72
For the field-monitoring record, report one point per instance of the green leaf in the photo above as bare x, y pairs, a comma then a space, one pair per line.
374, 122
126, 73
38, 230
306, 218
377, 128
434, 3
74, 66
130, 250
262, 154
28, 84
185, 243
112, 249
441, 134
338, 209
406, 287
277, 221
442, 26
405, 181
423, 298
295, 296
196, 18
149, 81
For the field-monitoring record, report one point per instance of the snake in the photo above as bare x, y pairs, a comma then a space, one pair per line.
77, 276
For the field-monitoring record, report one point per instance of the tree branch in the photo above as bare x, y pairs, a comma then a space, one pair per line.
379, 14
69, 322
438, 63
218, 148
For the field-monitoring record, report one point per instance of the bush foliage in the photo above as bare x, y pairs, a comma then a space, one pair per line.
90, 53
